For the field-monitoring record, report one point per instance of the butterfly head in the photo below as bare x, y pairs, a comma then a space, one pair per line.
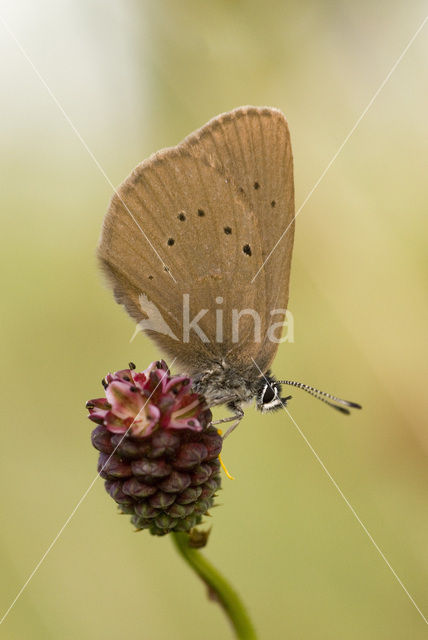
268, 394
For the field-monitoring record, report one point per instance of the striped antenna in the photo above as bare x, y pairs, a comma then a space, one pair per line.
323, 395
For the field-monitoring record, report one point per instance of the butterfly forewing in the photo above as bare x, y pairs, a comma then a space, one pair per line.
195, 223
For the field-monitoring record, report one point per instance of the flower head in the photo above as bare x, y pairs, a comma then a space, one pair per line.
158, 450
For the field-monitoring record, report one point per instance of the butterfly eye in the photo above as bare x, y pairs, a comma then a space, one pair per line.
268, 394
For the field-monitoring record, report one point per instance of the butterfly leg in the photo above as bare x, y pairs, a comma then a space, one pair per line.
238, 414
233, 426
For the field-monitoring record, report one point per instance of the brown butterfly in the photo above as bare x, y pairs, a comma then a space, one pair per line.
187, 246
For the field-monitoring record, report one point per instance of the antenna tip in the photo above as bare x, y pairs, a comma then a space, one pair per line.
354, 405
341, 409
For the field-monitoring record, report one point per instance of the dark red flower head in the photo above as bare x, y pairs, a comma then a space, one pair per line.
158, 450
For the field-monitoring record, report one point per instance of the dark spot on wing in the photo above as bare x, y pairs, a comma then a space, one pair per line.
256, 185
272, 204
246, 249
201, 213
150, 277
181, 217
170, 242
227, 231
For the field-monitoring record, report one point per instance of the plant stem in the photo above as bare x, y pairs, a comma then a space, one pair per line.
219, 588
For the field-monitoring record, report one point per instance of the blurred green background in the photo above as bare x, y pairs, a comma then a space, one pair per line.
134, 77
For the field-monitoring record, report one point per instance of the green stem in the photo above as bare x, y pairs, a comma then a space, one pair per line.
218, 586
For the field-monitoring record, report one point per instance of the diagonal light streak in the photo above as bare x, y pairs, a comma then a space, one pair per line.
73, 512
351, 132
349, 505
82, 140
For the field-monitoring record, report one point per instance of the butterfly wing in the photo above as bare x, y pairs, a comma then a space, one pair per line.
178, 232
251, 146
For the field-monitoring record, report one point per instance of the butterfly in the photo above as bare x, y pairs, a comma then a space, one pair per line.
197, 245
